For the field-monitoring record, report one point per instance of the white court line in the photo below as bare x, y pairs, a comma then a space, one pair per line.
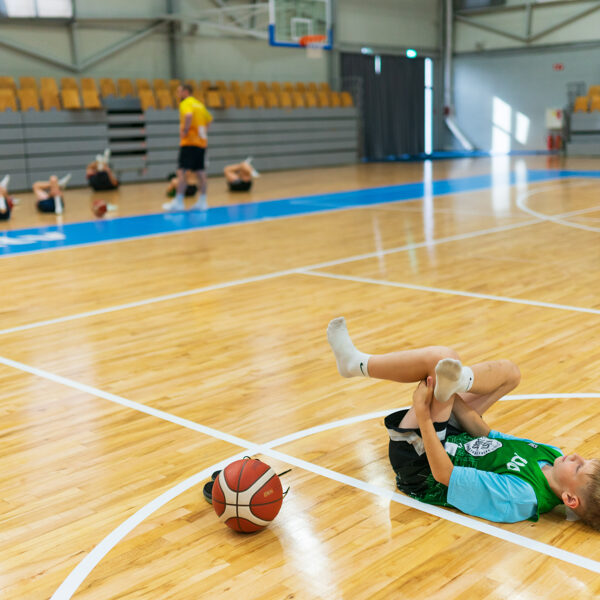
423, 288
358, 257
558, 219
74, 580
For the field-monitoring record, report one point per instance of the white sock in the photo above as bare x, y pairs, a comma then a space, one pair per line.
179, 199
3, 205
451, 378
63, 182
350, 362
58, 205
4, 182
201, 202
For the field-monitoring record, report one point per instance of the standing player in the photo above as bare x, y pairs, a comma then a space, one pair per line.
194, 122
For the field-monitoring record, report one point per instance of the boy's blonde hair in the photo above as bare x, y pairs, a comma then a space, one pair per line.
590, 501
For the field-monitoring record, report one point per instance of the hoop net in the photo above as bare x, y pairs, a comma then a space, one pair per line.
314, 45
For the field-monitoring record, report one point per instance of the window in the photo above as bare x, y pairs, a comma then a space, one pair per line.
36, 8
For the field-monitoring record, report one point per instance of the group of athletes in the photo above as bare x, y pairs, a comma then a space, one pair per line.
190, 180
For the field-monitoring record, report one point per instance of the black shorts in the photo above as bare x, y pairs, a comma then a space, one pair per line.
191, 158
407, 454
101, 182
48, 205
239, 186
5, 216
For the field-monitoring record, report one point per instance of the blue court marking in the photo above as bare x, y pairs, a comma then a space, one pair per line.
38, 239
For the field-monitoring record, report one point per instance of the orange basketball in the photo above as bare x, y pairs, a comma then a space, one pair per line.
99, 208
247, 495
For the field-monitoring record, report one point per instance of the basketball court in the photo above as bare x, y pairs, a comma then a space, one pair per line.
143, 351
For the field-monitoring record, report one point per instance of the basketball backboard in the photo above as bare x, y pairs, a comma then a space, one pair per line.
292, 20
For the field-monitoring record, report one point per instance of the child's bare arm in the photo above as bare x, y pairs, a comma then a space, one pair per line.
439, 462
469, 419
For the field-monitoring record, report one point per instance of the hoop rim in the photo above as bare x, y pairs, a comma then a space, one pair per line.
314, 41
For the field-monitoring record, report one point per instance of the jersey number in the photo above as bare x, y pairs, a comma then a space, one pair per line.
516, 462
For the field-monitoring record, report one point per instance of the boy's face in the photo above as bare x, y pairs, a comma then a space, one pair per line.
572, 472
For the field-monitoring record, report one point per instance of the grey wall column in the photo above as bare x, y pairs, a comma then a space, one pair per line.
174, 33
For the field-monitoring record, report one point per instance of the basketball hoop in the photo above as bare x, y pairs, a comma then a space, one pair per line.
314, 45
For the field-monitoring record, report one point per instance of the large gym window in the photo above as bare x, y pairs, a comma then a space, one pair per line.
36, 8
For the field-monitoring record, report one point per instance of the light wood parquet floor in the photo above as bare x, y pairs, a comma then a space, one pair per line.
103, 414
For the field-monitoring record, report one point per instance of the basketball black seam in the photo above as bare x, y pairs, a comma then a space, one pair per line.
237, 493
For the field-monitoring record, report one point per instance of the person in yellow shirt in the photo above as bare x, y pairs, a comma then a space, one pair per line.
194, 122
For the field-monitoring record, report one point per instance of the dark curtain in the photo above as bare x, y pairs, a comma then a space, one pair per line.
392, 103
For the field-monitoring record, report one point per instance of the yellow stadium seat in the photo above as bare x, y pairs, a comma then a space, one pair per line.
285, 100
243, 100
300, 87
324, 87
90, 98
334, 99
49, 84
68, 83
107, 87
28, 83
298, 100
213, 99
288, 87
159, 84
323, 99
581, 104
164, 99
8, 83
173, 85
312, 87
228, 99
595, 103
346, 99
276, 87
70, 99
125, 87
220, 85
310, 100
28, 99
262, 87
235, 87
593, 90
199, 95
142, 84
205, 85
248, 88
257, 100
271, 100
8, 99
50, 99
147, 99
88, 83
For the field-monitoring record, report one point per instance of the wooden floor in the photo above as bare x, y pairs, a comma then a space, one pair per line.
112, 422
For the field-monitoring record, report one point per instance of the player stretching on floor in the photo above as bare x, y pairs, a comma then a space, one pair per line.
444, 453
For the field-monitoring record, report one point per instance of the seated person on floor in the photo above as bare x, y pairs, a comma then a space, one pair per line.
99, 174
239, 176
6, 201
49, 194
191, 181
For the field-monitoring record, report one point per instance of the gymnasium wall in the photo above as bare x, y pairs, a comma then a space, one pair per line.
209, 53
490, 70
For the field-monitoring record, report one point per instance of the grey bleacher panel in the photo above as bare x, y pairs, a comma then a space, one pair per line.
128, 162
77, 177
63, 117
72, 132
57, 162
12, 165
585, 122
18, 179
125, 118
45, 143
11, 149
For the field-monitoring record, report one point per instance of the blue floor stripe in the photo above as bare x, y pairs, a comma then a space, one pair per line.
93, 232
